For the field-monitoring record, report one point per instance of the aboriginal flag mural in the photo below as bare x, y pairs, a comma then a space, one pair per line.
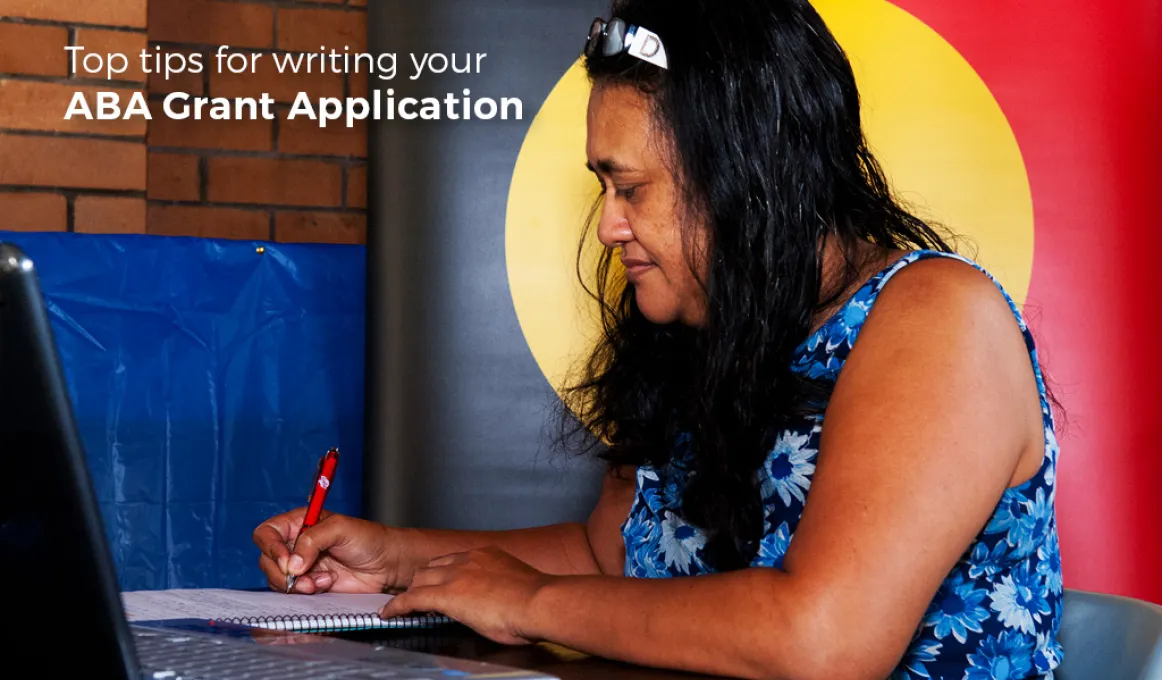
1028, 129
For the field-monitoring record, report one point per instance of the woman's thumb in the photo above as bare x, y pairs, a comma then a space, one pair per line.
313, 541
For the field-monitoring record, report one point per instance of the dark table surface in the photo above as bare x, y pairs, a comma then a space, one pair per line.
461, 642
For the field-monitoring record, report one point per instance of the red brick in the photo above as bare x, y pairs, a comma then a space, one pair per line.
301, 227
174, 177
305, 136
105, 12
33, 212
208, 222
237, 135
358, 3
275, 182
190, 83
109, 215
283, 87
34, 50
306, 30
30, 105
110, 42
357, 187
211, 22
34, 160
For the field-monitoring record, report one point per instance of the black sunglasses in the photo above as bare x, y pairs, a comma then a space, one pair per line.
608, 38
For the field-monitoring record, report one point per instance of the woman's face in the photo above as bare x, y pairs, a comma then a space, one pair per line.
641, 214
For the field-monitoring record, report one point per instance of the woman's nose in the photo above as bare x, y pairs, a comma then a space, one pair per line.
613, 230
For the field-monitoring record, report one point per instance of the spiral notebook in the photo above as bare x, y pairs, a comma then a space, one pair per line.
324, 612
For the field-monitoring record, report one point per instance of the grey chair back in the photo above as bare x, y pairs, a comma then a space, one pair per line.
1109, 637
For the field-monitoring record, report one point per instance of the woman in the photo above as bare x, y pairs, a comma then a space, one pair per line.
759, 240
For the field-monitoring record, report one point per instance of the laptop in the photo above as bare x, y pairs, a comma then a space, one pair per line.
61, 605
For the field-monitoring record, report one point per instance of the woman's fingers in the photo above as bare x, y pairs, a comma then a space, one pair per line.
314, 582
313, 542
318, 581
449, 560
274, 535
430, 576
271, 542
275, 577
421, 599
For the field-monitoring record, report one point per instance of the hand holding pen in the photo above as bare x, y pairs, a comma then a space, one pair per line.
324, 476
329, 552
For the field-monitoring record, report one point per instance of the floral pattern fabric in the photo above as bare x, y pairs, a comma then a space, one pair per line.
997, 614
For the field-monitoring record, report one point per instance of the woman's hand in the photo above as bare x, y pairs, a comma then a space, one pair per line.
487, 590
340, 554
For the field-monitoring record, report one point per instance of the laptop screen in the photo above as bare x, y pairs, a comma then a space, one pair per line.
57, 574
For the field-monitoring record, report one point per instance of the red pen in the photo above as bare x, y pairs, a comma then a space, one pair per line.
324, 476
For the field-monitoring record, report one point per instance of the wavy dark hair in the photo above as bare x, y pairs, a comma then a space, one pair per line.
761, 113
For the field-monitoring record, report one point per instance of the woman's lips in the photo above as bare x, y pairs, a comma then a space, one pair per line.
634, 269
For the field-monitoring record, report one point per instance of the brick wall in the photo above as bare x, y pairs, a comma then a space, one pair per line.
264, 180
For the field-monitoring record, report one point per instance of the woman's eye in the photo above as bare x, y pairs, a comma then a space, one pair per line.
627, 192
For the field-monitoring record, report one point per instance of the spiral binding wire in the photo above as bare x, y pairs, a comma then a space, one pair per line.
338, 622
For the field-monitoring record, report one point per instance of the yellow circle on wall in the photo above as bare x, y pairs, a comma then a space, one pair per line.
931, 121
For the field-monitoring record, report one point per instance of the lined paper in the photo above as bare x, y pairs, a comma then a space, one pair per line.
221, 604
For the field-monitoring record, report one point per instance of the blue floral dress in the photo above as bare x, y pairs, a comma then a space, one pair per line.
996, 615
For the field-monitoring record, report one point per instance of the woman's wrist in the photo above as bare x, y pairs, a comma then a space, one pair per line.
536, 622
401, 557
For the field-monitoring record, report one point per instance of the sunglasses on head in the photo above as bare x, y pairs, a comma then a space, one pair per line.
607, 38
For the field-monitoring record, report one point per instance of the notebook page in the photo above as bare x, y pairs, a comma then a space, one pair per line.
221, 604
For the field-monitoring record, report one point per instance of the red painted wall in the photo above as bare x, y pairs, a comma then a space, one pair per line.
1081, 84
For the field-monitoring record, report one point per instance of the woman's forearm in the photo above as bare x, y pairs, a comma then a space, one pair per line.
560, 549
708, 624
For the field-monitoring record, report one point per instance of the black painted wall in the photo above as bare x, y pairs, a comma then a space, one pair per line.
459, 415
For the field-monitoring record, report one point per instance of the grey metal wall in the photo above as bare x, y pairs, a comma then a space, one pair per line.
459, 415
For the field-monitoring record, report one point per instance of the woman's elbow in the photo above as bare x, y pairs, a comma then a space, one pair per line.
824, 661
827, 645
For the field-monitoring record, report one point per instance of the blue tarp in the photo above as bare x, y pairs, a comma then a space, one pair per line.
207, 380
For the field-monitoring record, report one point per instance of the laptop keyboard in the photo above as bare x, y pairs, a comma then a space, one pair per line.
169, 655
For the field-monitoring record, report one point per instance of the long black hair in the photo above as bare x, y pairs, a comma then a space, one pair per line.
762, 118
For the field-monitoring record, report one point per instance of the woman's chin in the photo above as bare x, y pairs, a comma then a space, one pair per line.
656, 310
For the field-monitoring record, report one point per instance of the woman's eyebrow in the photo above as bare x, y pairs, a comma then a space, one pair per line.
607, 166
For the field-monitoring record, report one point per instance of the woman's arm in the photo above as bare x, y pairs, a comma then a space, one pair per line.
347, 554
926, 428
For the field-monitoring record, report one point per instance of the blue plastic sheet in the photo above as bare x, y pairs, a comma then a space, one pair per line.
207, 380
